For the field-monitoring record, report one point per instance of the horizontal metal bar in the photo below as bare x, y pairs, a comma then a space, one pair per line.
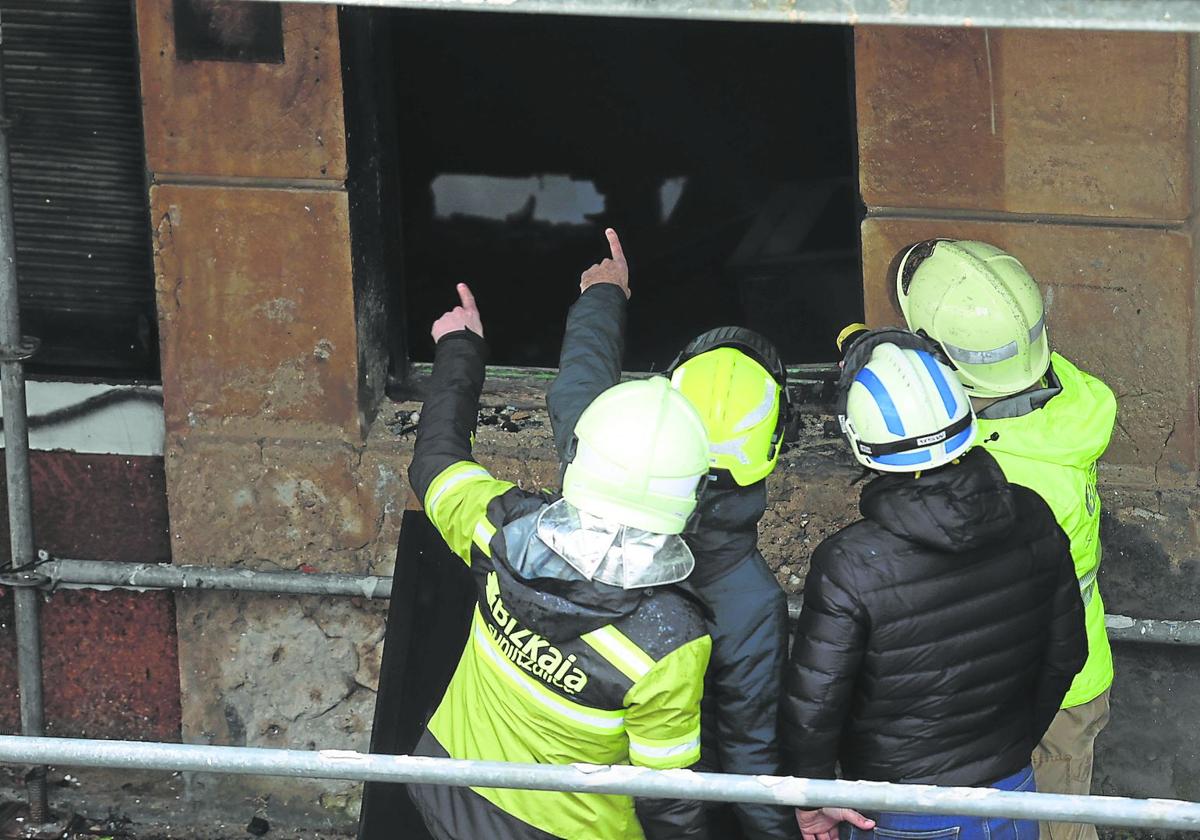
93, 573
1121, 628
615, 779
165, 576
1133, 15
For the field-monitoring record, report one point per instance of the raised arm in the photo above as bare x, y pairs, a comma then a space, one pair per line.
594, 342
454, 490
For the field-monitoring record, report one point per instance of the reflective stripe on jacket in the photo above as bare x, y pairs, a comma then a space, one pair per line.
557, 669
1052, 448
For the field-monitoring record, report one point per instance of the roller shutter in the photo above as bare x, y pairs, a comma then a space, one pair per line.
79, 186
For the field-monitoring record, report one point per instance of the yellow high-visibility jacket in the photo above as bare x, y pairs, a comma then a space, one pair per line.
557, 669
1049, 441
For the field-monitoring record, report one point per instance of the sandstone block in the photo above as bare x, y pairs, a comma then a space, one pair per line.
243, 119
283, 672
1027, 121
284, 504
256, 311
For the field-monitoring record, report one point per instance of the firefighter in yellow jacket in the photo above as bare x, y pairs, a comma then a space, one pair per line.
582, 648
1046, 422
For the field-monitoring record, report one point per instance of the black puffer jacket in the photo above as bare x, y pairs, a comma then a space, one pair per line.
938, 635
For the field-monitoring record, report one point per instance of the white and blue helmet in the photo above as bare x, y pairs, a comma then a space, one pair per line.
904, 410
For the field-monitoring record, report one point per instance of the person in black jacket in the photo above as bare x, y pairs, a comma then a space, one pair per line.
938, 634
737, 382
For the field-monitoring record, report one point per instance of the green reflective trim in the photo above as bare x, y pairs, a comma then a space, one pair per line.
448, 478
665, 754
619, 651
457, 502
663, 708
484, 531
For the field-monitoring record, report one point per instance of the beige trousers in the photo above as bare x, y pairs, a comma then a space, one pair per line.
1062, 762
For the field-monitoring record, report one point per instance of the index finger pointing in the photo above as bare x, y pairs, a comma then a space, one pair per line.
614, 245
464, 295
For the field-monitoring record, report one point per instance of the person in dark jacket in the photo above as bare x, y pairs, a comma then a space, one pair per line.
939, 634
737, 382
582, 649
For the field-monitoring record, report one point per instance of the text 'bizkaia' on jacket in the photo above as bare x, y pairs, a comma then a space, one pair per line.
558, 669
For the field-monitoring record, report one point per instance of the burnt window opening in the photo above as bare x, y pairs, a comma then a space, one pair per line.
723, 154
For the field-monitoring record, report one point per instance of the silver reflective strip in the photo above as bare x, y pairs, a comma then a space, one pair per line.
733, 447
681, 488
1036, 332
761, 411
451, 482
637, 748
981, 357
1087, 587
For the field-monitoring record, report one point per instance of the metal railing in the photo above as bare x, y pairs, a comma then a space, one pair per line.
611, 779
1129, 15
14, 349
54, 572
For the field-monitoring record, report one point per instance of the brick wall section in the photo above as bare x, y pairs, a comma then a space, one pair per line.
109, 659
1076, 152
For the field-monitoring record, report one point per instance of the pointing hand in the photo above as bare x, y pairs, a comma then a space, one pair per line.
613, 270
462, 317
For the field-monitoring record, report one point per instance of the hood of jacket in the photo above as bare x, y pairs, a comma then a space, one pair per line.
1071, 427
727, 529
544, 593
952, 509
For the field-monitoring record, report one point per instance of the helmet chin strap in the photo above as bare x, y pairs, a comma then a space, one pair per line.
876, 450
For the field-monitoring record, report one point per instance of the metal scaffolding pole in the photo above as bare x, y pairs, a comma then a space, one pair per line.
616, 779
1158, 631
1121, 628
102, 573
166, 576
14, 349
1134, 15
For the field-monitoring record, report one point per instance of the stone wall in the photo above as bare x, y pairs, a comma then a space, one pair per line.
262, 375
1076, 152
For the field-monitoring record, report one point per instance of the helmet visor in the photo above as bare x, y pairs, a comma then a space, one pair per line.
612, 553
